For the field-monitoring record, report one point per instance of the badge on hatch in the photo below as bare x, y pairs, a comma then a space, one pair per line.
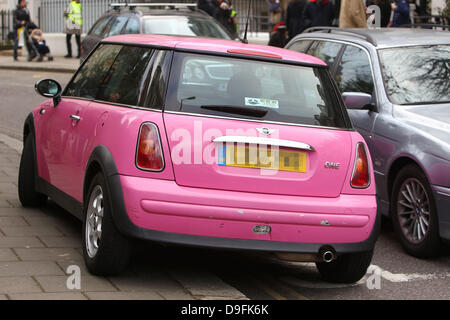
265, 131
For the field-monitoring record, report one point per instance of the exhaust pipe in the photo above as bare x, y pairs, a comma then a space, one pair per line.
327, 254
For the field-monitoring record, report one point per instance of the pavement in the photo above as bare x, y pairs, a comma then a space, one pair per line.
40, 248
59, 64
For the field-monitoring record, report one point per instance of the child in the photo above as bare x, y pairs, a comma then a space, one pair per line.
40, 45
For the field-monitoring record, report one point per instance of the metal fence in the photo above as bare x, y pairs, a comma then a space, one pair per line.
52, 19
6, 20
52, 13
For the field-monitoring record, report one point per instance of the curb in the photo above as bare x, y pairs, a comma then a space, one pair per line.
33, 68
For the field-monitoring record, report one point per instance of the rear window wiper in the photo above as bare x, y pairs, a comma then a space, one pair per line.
254, 112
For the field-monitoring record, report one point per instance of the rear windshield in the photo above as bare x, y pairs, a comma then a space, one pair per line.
184, 26
252, 89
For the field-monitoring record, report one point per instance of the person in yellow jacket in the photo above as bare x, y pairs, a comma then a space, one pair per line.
74, 22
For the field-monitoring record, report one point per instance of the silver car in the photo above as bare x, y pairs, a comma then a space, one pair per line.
396, 85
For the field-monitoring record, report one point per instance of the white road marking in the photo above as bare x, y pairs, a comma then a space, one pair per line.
406, 277
11, 142
315, 283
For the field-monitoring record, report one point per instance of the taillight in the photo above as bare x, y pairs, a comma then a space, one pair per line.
361, 175
149, 152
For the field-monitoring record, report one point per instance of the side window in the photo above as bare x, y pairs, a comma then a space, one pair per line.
99, 26
132, 26
353, 73
159, 75
90, 76
126, 80
300, 46
115, 26
326, 51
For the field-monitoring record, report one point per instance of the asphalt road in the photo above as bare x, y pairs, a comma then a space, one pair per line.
257, 276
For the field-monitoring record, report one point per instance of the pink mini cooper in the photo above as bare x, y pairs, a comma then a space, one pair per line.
202, 142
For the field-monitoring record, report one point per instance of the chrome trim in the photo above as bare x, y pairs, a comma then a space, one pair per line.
258, 121
354, 166
265, 141
75, 117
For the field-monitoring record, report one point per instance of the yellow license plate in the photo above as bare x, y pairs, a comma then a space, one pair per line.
262, 158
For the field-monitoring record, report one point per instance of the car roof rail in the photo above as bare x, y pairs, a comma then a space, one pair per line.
356, 33
132, 6
427, 26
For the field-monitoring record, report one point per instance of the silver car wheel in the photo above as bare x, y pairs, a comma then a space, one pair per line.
413, 208
94, 217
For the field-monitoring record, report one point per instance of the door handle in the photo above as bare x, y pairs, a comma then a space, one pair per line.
75, 117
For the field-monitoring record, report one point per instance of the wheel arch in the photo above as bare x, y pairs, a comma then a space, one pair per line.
101, 160
395, 168
28, 127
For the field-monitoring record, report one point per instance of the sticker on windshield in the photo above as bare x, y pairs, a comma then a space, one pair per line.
258, 102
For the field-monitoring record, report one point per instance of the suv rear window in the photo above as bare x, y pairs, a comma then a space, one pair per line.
253, 89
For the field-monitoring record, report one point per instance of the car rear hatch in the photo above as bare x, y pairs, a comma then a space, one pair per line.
256, 126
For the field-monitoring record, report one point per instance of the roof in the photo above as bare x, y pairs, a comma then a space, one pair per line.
386, 37
213, 46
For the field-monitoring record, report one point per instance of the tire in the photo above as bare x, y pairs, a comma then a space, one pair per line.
107, 253
411, 192
348, 268
28, 195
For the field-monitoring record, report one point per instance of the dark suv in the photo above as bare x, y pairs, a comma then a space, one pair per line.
170, 19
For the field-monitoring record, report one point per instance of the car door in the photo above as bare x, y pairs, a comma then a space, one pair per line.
353, 73
67, 126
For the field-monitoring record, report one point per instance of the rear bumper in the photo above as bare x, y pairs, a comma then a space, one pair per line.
442, 198
161, 210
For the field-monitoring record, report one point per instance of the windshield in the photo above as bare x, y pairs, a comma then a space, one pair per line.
251, 89
417, 75
184, 26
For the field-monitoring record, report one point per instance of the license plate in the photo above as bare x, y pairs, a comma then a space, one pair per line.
262, 158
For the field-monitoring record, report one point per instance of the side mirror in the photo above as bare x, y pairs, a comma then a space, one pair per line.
358, 101
50, 89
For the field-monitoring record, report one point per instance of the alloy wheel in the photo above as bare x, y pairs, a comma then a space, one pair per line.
413, 209
94, 219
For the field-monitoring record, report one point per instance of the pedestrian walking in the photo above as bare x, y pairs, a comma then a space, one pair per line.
294, 21
74, 22
275, 12
352, 14
401, 13
227, 17
318, 13
21, 18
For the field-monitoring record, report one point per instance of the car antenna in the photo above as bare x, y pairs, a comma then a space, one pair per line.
244, 40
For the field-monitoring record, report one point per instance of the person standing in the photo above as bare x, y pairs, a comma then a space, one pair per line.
294, 21
352, 14
275, 12
21, 18
401, 13
227, 17
74, 21
318, 13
